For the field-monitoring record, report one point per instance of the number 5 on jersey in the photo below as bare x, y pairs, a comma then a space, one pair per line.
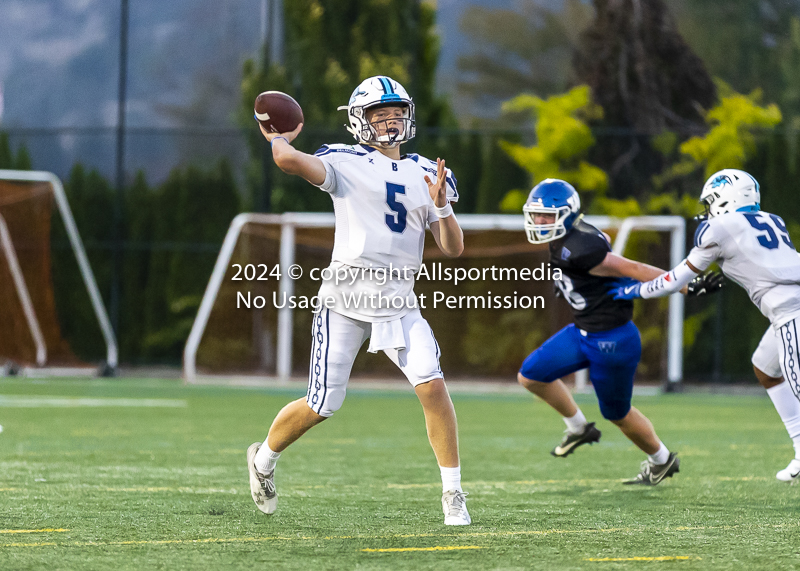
396, 222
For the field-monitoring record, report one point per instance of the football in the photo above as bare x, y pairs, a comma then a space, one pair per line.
278, 112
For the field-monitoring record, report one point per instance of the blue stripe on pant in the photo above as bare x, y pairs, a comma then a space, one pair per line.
611, 356
318, 369
790, 359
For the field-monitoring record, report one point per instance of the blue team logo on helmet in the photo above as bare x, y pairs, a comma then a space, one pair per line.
356, 94
551, 210
730, 190
721, 181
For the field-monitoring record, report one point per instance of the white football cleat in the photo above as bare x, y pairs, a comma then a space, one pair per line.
791, 472
262, 486
454, 504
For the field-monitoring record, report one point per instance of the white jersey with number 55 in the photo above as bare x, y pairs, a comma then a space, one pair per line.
754, 250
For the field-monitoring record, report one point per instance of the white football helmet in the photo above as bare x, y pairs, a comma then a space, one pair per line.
730, 190
380, 91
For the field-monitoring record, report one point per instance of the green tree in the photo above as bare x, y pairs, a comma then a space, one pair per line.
8, 160
640, 69
790, 72
525, 50
331, 46
6, 155
647, 79
563, 138
141, 214
730, 139
197, 207
750, 44
171, 234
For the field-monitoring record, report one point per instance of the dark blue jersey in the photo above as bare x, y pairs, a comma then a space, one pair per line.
583, 248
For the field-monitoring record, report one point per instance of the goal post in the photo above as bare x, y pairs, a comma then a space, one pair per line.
283, 230
22, 292
676, 226
15, 194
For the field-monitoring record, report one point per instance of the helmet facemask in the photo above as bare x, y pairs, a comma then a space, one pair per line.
543, 233
389, 130
376, 93
706, 203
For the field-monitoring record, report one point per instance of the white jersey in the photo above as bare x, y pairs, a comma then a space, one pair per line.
382, 209
754, 250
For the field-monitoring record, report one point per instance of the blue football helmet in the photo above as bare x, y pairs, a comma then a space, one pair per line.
551, 196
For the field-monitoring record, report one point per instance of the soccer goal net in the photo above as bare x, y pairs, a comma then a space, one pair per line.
33, 207
503, 307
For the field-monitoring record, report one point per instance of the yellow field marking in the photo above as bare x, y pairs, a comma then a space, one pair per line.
160, 541
722, 527
307, 538
46, 530
501, 533
662, 558
437, 548
542, 532
8, 489
179, 541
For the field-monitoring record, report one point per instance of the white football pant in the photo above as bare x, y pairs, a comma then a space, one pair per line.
336, 342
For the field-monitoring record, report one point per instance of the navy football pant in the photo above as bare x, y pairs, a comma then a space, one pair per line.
611, 356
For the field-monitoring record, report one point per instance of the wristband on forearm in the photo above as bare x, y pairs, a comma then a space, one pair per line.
444, 211
671, 282
272, 142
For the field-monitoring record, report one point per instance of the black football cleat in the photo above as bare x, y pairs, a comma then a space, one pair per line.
652, 474
572, 440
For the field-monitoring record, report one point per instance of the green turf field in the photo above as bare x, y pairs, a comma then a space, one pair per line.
164, 486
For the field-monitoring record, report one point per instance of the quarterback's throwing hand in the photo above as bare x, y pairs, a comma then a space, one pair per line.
625, 288
288, 136
438, 189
